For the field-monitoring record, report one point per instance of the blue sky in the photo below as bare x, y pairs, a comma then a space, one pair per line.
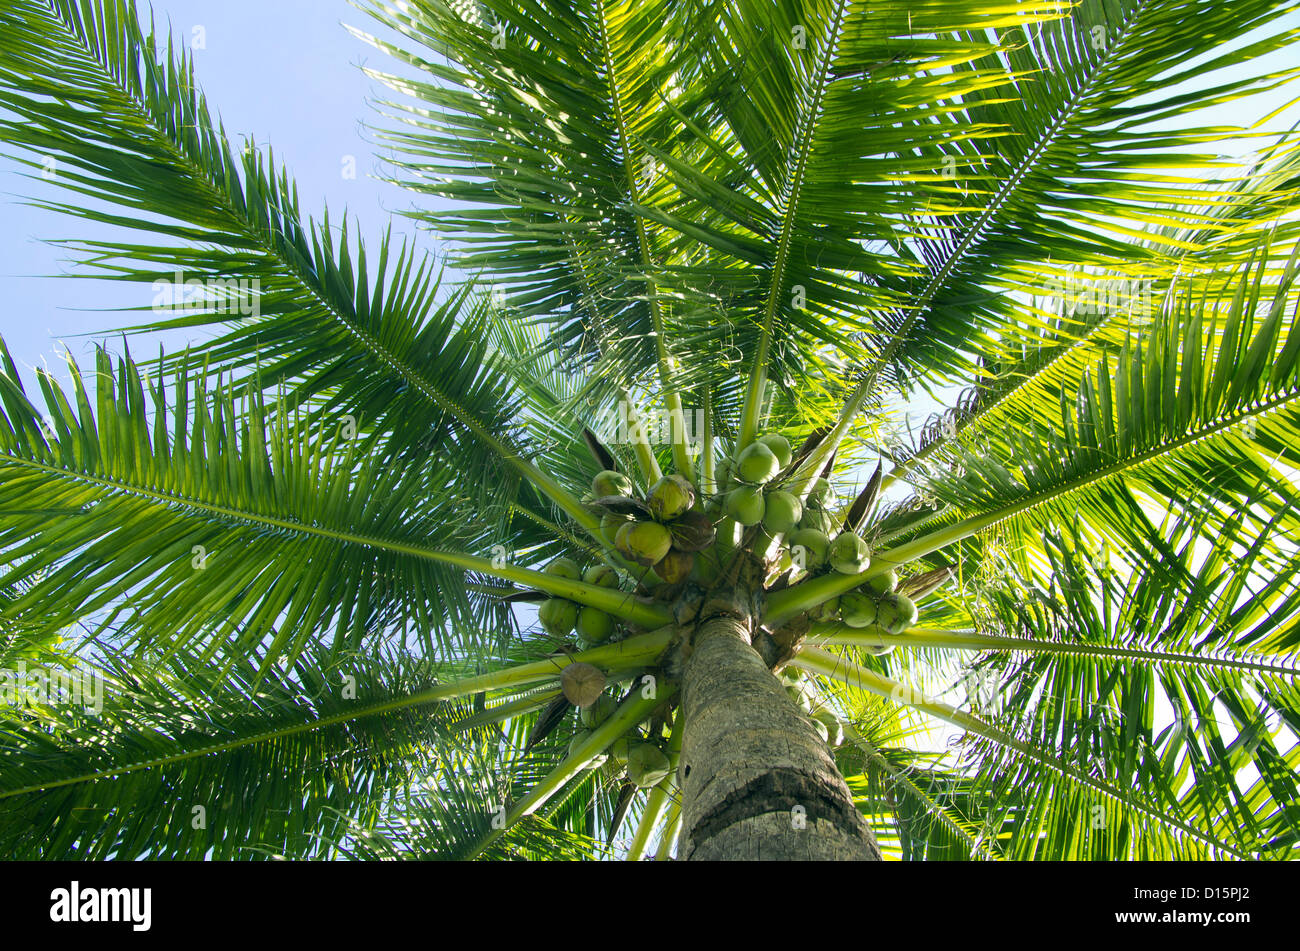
284, 73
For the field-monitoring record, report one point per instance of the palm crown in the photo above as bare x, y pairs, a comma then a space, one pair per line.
296, 549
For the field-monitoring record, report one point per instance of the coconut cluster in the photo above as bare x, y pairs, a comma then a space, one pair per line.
561, 617
662, 532
643, 761
666, 535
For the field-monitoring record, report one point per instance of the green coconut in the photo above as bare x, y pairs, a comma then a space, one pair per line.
814, 545
886, 582
827, 610
610, 524
602, 575
745, 504
670, 497
618, 751
834, 732
646, 765
896, 613
757, 464
582, 736
858, 609
675, 566
849, 554
791, 674
781, 512
820, 493
644, 542
564, 568
594, 625
601, 710
820, 519
779, 445
558, 616
880, 651
609, 483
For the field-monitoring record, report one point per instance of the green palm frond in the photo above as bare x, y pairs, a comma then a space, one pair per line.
1095, 165
236, 760
206, 517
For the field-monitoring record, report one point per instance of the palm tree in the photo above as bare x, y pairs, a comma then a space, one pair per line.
300, 556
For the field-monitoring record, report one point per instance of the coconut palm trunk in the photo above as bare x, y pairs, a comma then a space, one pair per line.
756, 780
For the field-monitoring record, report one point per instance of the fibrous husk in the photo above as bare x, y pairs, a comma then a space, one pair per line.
693, 531
675, 566
582, 683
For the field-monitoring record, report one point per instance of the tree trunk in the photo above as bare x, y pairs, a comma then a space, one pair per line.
757, 781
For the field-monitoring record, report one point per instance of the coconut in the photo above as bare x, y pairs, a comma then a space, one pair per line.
582, 684
881, 651
619, 750
675, 566
820, 727
582, 736
693, 531
849, 554
646, 764
609, 483
826, 611
791, 674
757, 464
779, 445
820, 519
745, 505
602, 575
558, 616
834, 732
594, 625
670, 497
781, 512
610, 524
886, 582
600, 711
858, 609
820, 493
644, 542
813, 544
564, 568
896, 613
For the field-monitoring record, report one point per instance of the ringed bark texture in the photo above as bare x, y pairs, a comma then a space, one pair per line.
757, 782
